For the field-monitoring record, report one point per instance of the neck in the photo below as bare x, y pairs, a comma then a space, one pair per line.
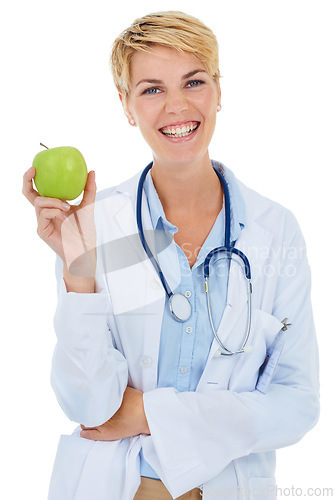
187, 187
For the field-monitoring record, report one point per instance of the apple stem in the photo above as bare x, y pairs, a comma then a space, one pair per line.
43, 145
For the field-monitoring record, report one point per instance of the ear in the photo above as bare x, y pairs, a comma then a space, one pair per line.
124, 101
122, 98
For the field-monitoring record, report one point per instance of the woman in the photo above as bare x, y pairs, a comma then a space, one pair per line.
177, 395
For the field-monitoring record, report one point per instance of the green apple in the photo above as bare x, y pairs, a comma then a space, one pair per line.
60, 172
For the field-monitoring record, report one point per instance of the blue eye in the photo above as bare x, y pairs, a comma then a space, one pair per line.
195, 83
151, 90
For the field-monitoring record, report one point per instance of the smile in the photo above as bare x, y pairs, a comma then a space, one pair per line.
178, 130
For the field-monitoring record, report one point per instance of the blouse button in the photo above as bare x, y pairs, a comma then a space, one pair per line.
145, 361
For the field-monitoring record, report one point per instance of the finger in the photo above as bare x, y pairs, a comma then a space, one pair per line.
47, 214
90, 190
46, 222
45, 202
87, 428
92, 434
27, 189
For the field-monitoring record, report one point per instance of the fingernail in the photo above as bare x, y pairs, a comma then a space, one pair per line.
66, 206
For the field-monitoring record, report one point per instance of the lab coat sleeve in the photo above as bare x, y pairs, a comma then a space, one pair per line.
88, 374
195, 435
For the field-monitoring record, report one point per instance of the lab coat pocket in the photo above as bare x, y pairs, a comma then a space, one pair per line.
86, 469
70, 458
264, 330
262, 487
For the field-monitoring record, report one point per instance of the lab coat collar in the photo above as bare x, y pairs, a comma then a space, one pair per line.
156, 209
238, 215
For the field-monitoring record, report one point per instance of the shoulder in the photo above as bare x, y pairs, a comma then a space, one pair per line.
125, 188
272, 217
257, 205
259, 209
116, 196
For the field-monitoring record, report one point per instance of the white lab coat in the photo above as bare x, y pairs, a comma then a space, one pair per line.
222, 436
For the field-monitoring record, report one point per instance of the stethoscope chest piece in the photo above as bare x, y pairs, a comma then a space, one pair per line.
180, 307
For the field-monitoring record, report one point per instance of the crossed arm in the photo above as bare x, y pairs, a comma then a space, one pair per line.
129, 420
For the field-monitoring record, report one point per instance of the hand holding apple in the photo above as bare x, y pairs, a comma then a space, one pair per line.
68, 230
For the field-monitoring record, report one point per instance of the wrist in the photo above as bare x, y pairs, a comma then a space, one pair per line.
78, 284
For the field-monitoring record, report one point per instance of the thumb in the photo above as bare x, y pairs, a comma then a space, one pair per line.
90, 190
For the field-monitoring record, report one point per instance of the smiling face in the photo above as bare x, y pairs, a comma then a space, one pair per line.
173, 101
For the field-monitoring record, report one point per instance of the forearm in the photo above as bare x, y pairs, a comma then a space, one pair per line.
88, 396
235, 425
88, 375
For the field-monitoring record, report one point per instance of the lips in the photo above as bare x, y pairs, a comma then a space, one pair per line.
180, 129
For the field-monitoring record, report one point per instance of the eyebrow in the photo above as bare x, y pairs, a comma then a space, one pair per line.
159, 82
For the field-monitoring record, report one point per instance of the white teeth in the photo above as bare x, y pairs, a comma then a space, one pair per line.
180, 132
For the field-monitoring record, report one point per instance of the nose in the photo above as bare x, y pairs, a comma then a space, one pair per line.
175, 102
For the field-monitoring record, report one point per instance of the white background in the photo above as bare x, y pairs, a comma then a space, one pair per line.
275, 132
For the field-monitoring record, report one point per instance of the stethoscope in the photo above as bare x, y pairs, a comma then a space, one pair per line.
179, 304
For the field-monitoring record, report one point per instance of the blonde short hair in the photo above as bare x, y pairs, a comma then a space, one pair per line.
172, 29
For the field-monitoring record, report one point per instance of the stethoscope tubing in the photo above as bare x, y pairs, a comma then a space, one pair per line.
227, 248
141, 231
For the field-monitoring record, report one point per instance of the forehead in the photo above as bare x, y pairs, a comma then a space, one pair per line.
160, 62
